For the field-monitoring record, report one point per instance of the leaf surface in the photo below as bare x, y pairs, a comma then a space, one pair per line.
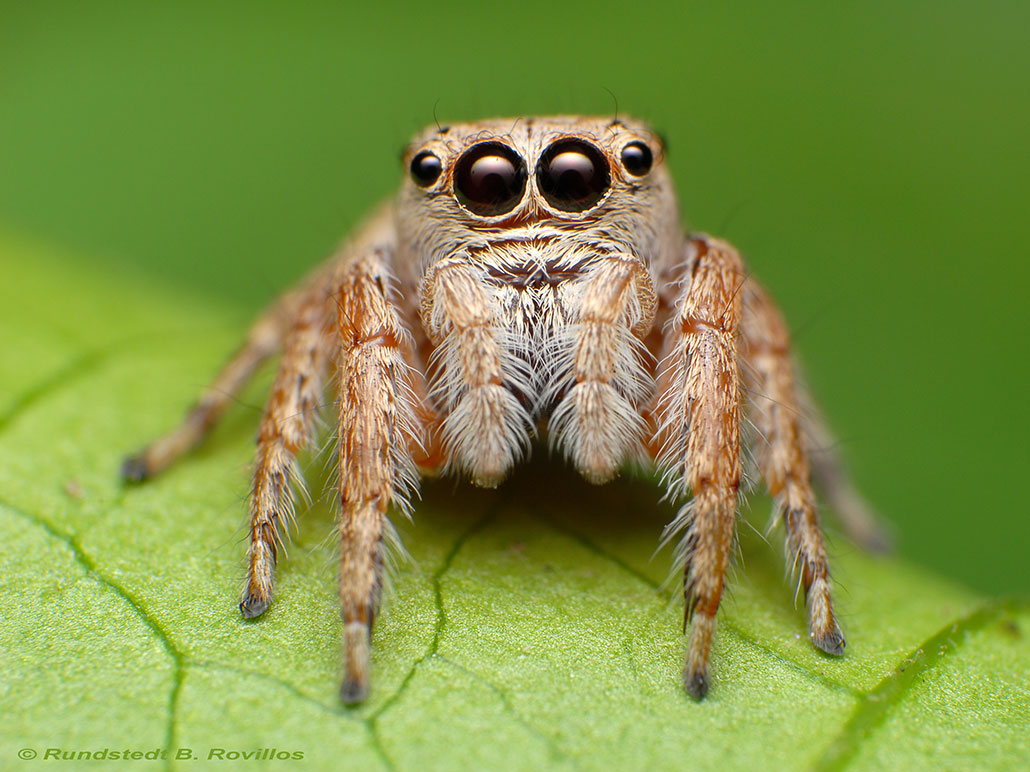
526, 632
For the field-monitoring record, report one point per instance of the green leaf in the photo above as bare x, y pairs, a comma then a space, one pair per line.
527, 631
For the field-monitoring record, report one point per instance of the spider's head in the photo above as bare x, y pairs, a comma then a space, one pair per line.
568, 179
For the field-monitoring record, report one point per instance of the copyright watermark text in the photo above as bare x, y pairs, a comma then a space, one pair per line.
159, 754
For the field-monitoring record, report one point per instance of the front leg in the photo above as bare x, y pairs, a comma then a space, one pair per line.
697, 416
378, 426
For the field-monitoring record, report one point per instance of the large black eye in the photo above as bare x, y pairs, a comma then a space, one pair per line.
490, 179
572, 175
637, 158
425, 169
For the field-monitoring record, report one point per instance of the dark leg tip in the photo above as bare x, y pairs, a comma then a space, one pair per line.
831, 642
251, 607
134, 469
696, 684
353, 692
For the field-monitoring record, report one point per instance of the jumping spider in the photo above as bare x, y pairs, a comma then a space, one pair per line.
532, 272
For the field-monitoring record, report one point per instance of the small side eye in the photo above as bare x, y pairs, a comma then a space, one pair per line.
637, 158
490, 179
425, 169
572, 175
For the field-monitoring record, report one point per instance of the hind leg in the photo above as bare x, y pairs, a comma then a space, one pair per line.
783, 458
264, 339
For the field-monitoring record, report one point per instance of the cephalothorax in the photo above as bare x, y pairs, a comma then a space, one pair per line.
531, 275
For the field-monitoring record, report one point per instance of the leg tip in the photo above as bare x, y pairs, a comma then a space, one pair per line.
695, 671
878, 542
357, 642
353, 692
696, 684
251, 607
134, 469
832, 641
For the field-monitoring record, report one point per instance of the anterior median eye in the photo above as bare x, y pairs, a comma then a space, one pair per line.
425, 169
489, 179
572, 175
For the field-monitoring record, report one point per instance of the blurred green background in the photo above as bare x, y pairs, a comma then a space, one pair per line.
871, 159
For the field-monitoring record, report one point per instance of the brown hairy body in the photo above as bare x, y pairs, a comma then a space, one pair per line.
530, 275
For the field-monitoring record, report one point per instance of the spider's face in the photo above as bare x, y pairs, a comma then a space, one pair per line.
566, 181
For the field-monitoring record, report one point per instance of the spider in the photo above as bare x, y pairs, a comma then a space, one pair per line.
531, 276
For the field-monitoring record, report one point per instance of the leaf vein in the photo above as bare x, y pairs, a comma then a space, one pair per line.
80, 366
874, 709
90, 566
746, 637
554, 750
434, 645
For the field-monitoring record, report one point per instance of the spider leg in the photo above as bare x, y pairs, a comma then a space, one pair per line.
486, 429
286, 427
598, 422
263, 340
697, 418
783, 458
859, 520
378, 425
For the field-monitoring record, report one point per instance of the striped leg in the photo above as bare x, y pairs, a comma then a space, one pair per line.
286, 428
856, 516
378, 426
698, 435
263, 340
784, 461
